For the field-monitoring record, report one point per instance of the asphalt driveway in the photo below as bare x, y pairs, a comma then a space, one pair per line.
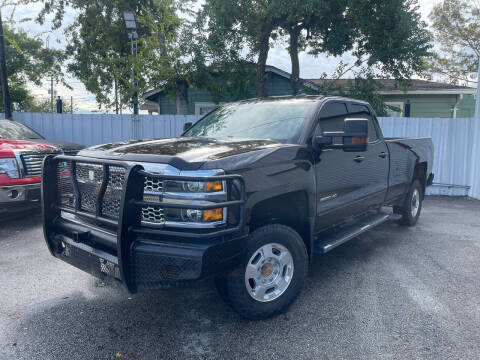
393, 292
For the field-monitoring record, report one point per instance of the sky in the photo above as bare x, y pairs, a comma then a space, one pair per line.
84, 102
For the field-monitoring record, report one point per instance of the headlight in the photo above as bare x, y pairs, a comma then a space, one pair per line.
202, 216
9, 166
202, 186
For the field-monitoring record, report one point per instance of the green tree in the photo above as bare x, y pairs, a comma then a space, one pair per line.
456, 28
387, 34
234, 24
42, 105
99, 48
28, 61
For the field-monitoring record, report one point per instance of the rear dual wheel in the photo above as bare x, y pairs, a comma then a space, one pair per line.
272, 274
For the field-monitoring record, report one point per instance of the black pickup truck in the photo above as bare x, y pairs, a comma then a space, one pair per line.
249, 195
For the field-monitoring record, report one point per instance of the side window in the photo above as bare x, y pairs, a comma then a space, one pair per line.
362, 111
332, 117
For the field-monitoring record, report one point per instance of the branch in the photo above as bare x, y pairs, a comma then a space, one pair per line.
357, 63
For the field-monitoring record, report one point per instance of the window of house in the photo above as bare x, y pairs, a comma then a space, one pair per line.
395, 108
202, 108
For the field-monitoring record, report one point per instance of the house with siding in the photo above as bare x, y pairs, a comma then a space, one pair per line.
421, 99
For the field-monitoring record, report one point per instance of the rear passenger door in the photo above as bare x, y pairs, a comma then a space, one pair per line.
373, 172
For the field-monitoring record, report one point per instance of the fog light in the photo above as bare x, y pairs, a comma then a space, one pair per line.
213, 215
13, 194
192, 215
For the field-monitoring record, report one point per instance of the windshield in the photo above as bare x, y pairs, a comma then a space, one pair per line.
279, 120
14, 130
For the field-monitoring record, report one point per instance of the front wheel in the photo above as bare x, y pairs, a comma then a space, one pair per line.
413, 205
272, 275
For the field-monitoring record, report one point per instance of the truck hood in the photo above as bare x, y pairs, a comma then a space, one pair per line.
66, 147
182, 152
8, 146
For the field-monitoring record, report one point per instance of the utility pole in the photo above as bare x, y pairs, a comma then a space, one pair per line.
131, 25
133, 37
51, 93
3, 74
71, 104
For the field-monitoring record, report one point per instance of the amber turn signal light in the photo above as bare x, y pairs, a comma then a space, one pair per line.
359, 140
213, 186
213, 215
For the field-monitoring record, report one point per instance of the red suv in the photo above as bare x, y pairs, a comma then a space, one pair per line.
21, 154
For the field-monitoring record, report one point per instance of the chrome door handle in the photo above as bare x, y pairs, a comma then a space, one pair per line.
383, 155
359, 158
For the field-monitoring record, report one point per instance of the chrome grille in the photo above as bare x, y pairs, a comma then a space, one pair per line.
153, 215
152, 191
33, 163
153, 185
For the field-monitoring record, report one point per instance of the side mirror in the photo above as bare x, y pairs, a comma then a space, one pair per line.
354, 137
187, 126
322, 142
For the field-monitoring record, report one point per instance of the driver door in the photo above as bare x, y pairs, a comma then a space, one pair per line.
338, 173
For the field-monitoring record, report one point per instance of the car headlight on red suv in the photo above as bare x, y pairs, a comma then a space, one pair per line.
9, 166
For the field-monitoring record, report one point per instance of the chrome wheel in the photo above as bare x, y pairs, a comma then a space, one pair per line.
415, 206
269, 272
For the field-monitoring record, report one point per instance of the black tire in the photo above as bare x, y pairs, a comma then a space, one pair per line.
408, 218
240, 298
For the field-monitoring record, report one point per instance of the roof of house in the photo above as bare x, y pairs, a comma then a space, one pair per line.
390, 87
268, 68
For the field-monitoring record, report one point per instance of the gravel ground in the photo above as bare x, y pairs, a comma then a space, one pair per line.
393, 292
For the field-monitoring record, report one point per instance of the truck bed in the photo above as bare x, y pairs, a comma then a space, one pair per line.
421, 147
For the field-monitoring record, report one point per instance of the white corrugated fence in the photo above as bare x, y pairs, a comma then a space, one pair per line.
452, 142
94, 129
452, 138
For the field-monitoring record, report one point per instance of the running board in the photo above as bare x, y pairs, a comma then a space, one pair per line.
331, 240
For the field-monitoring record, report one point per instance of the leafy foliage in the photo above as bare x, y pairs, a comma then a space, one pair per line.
28, 61
364, 86
386, 34
456, 27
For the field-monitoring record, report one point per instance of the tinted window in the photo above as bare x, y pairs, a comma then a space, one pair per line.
332, 117
15, 130
362, 111
372, 132
277, 120
358, 109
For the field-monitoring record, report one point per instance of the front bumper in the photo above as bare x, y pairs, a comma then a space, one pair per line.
139, 257
152, 264
19, 197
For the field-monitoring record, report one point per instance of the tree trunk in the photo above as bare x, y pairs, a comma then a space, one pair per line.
262, 60
162, 44
294, 33
182, 97
116, 94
